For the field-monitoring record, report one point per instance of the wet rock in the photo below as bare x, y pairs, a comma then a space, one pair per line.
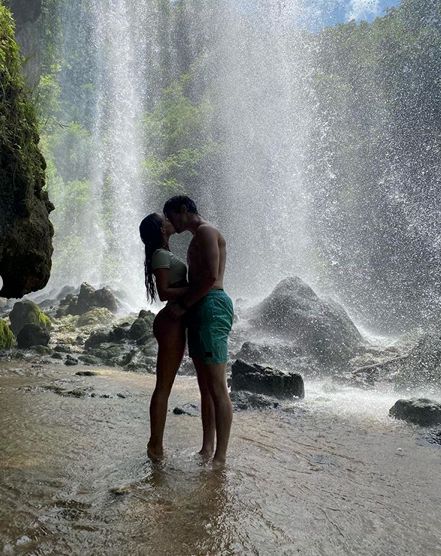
420, 411
61, 348
434, 437
57, 355
320, 327
242, 400
27, 312
89, 360
187, 409
265, 380
422, 366
87, 373
139, 329
97, 316
89, 298
42, 350
32, 335
70, 361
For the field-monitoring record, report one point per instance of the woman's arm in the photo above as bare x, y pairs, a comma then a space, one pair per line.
165, 292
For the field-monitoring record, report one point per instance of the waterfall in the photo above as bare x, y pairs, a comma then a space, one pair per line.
247, 71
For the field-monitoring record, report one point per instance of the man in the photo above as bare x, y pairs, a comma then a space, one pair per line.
209, 314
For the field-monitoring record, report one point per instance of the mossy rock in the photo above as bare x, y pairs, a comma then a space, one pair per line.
99, 315
7, 338
26, 231
28, 312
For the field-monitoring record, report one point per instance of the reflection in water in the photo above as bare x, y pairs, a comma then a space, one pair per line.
334, 475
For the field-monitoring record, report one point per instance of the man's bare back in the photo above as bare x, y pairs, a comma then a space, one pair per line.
196, 255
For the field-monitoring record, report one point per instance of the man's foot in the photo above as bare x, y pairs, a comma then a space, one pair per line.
218, 462
154, 453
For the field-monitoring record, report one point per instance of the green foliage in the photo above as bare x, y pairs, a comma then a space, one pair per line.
18, 125
7, 338
178, 136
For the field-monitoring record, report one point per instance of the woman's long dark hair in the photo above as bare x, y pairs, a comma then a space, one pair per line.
151, 235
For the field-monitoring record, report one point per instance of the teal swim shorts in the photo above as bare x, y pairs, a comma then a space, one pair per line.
209, 322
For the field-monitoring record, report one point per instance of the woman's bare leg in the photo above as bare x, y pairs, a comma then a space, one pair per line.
171, 344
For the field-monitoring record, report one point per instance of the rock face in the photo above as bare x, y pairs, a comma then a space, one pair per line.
32, 335
265, 380
417, 410
25, 230
320, 327
27, 312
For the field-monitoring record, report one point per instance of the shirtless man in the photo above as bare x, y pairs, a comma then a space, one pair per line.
209, 315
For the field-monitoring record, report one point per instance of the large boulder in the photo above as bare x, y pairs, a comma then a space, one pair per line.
420, 411
265, 380
27, 312
32, 335
25, 229
320, 327
88, 299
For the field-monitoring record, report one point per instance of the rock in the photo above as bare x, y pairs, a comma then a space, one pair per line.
32, 335
320, 328
249, 400
42, 350
71, 362
7, 338
57, 355
61, 348
86, 373
89, 360
96, 339
98, 315
140, 328
25, 229
187, 409
422, 366
27, 312
420, 411
88, 299
265, 380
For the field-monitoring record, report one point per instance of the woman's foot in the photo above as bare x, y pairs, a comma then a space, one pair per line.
155, 453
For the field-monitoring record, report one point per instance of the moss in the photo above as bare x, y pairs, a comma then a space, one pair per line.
7, 338
25, 230
28, 312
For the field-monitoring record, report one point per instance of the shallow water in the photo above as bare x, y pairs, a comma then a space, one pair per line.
330, 475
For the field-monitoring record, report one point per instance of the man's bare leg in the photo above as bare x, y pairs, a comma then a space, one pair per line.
171, 344
223, 410
207, 413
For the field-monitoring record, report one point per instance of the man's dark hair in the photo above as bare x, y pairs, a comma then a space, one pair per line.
175, 203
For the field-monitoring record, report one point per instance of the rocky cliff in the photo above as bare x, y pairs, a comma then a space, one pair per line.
25, 230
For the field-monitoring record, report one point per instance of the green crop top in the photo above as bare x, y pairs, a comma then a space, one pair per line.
166, 259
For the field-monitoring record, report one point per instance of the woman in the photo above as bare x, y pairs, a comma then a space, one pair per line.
170, 277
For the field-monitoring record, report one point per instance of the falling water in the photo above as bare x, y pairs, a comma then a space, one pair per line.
249, 61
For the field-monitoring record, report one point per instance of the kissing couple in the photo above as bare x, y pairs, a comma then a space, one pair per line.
197, 304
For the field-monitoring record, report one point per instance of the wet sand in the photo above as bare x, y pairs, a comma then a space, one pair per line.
330, 475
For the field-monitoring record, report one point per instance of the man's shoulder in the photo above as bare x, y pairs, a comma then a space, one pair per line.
207, 230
